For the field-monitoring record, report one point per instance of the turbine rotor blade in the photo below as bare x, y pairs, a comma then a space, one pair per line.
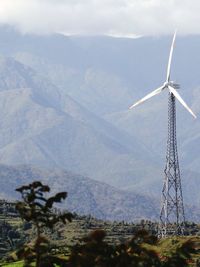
170, 58
155, 92
176, 94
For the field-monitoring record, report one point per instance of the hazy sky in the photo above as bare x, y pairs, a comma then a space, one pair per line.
112, 17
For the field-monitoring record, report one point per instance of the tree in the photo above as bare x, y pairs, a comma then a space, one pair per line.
36, 208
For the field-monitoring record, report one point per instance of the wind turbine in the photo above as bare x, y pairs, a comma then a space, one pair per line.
172, 218
170, 85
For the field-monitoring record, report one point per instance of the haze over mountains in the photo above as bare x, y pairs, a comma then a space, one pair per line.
64, 104
35, 124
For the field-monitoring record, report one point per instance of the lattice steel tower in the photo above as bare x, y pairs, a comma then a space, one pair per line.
172, 217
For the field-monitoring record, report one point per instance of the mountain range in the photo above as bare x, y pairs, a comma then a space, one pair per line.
64, 104
35, 125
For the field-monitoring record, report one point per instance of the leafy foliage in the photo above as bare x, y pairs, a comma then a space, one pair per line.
135, 253
38, 209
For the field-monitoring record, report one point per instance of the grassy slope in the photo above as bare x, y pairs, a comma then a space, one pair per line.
16, 264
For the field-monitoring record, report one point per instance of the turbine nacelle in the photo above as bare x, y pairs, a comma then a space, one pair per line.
174, 85
170, 85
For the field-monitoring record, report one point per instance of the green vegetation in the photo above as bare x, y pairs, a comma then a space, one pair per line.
38, 209
42, 239
15, 264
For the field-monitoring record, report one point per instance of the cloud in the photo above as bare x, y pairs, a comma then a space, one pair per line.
96, 17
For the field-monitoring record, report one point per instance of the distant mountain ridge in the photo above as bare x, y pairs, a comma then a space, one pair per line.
85, 196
